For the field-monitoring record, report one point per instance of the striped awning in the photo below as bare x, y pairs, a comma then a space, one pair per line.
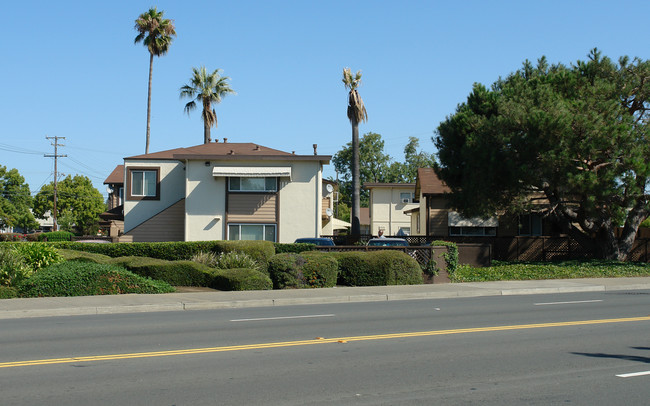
252, 171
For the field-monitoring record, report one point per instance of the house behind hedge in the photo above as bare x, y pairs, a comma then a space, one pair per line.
222, 191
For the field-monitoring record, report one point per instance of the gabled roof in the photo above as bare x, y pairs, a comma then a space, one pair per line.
429, 183
230, 151
116, 177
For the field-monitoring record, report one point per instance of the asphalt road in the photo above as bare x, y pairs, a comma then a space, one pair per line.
578, 348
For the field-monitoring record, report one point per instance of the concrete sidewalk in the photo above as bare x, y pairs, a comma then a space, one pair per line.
200, 300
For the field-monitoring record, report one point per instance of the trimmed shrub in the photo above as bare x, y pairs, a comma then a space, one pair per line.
282, 248
227, 260
72, 255
176, 273
239, 279
304, 270
38, 255
260, 251
13, 268
80, 279
56, 236
378, 268
8, 292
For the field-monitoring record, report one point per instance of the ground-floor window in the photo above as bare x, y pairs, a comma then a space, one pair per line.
249, 232
530, 224
473, 231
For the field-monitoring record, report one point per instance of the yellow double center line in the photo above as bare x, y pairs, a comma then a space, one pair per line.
152, 354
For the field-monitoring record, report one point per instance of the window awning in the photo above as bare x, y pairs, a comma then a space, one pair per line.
252, 171
456, 220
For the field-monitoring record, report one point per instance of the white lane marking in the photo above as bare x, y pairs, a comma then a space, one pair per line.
633, 374
287, 317
574, 302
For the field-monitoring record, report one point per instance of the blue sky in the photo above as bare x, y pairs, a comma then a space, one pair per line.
70, 69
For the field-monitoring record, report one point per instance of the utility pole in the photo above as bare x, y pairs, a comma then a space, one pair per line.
56, 174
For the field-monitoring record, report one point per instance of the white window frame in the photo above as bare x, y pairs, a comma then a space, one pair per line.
263, 225
265, 190
144, 172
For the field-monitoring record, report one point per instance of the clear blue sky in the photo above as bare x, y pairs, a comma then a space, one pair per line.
71, 69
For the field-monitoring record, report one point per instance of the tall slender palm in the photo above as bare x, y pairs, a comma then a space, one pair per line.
206, 88
156, 33
356, 114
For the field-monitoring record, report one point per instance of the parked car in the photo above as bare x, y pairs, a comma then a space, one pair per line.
317, 241
388, 242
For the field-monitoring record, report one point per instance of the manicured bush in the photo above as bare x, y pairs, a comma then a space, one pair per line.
239, 279
73, 278
13, 268
38, 255
8, 292
176, 273
56, 236
378, 268
228, 260
260, 251
282, 248
304, 270
81, 256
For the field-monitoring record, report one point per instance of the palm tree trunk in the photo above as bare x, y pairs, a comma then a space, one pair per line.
356, 187
146, 148
206, 132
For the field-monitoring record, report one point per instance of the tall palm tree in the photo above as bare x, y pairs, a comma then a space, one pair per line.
156, 33
356, 114
206, 88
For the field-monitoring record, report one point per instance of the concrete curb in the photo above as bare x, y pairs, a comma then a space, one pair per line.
120, 304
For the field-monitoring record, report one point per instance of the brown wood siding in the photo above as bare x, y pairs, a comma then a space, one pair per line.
324, 206
252, 208
168, 225
438, 222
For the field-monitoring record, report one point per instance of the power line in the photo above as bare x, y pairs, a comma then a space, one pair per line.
55, 156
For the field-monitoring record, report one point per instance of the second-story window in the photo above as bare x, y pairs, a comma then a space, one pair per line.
245, 184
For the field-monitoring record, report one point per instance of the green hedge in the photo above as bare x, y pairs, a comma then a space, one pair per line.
56, 236
377, 268
282, 248
80, 279
240, 279
82, 256
176, 273
304, 270
261, 251
8, 292
11, 237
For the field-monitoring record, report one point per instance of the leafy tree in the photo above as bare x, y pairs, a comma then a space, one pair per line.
407, 172
156, 33
356, 114
78, 203
206, 89
15, 201
570, 141
373, 166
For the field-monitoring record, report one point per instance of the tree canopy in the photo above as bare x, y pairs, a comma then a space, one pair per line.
78, 202
378, 167
570, 142
15, 201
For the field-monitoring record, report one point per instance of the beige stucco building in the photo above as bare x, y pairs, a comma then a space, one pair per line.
388, 202
221, 191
